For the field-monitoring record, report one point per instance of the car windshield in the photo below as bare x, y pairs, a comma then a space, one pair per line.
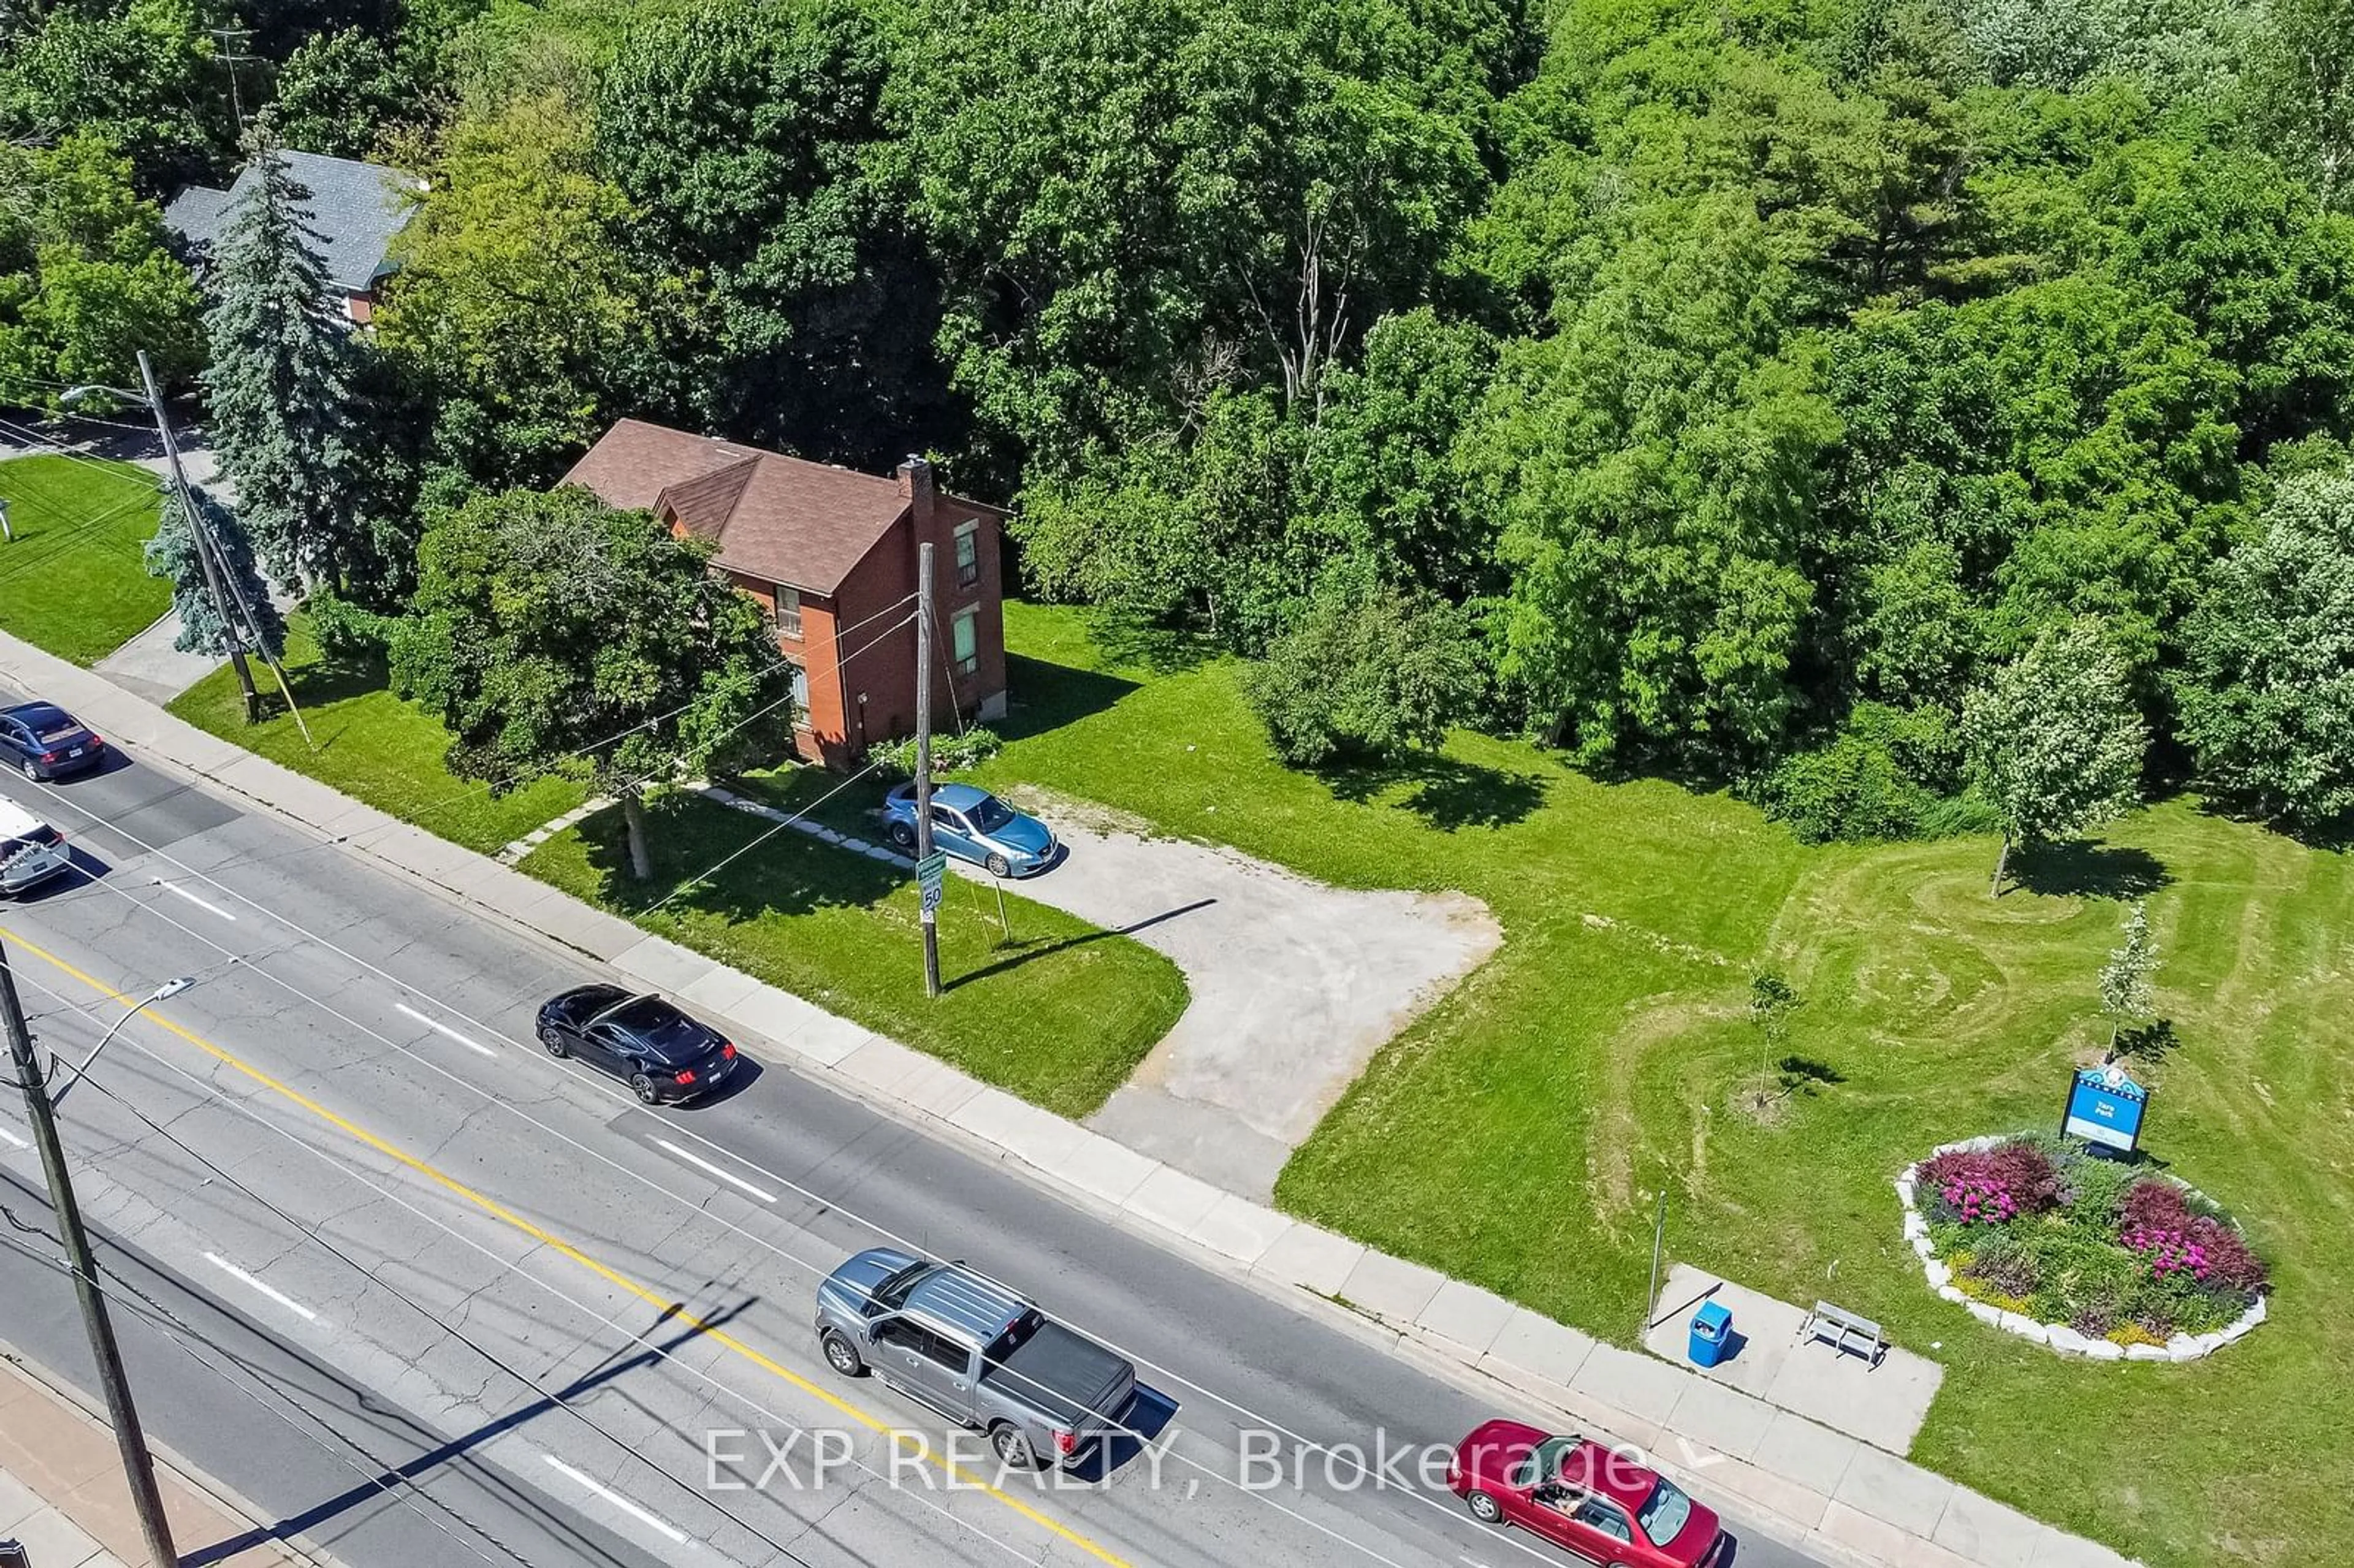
1664, 1512
989, 813
669, 1034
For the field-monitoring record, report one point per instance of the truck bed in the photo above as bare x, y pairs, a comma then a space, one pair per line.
1066, 1375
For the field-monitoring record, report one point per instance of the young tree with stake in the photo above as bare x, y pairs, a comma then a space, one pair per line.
2125, 991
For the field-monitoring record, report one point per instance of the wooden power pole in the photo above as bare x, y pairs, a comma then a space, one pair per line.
138, 1466
931, 916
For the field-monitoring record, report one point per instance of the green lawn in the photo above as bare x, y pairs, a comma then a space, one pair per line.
372, 745
1517, 1135
1059, 1016
73, 581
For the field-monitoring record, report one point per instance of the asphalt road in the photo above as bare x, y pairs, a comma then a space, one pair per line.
432, 1296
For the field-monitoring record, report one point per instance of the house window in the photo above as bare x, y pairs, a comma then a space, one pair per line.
967, 553
801, 695
964, 634
788, 611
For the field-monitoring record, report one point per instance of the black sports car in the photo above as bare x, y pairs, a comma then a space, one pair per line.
661, 1053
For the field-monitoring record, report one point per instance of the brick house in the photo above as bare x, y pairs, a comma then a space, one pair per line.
830, 555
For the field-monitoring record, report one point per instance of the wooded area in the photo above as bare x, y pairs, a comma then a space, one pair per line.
1748, 390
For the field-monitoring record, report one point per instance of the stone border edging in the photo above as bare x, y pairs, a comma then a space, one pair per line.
2058, 1336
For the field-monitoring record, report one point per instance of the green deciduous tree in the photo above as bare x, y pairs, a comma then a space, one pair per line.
85, 281
554, 636
2054, 741
2267, 695
514, 315
338, 92
173, 555
279, 385
142, 77
1654, 466
741, 132
1370, 673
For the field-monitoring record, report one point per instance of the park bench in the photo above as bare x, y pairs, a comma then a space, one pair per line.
1845, 1331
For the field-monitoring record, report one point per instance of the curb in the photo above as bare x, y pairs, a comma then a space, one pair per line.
1826, 1491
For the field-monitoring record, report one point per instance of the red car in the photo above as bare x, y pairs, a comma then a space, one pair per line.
1578, 1494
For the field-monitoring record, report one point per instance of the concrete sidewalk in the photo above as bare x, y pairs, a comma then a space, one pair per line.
1818, 1489
64, 1501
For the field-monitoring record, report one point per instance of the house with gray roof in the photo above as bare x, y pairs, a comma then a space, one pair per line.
356, 209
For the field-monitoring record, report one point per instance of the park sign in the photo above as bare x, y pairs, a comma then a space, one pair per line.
2106, 1108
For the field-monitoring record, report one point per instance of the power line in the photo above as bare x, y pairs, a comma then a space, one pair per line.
211, 1093
1353, 1464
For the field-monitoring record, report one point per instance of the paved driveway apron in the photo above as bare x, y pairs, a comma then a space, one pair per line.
1294, 986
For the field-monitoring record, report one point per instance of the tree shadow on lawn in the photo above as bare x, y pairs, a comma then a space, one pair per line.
2091, 870
687, 837
2334, 835
1043, 697
1448, 793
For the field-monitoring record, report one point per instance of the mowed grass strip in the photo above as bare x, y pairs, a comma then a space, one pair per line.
1517, 1135
73, 581
1059, 1015
372, 745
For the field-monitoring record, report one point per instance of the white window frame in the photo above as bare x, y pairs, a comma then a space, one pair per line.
785, 608
965, 627
967, 553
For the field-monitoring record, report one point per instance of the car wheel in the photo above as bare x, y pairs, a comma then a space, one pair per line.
841, 1354
32, 770
1013, 1450
643, 1086
1484, 1508
904, 835
553, 1041
999, 866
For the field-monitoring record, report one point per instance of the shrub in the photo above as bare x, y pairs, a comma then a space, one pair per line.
344, 632
1368, 674
1991, 1186
950, 753
1878, 778
2006, 1266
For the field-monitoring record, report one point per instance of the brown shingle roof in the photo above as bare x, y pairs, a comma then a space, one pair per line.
777, 518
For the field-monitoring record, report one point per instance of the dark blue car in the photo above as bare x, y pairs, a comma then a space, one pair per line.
973, 824
43, 741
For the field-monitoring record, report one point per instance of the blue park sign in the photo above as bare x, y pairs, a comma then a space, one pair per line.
2105, 1106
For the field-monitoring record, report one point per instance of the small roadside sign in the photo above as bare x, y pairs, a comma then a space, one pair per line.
932, 877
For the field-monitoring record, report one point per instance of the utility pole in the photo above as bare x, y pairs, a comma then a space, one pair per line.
924, 757
196, 534
242, 626
138, 1468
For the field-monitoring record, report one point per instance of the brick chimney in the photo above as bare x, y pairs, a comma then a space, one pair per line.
916, 484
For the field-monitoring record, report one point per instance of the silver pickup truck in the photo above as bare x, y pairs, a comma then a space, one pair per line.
975, 1351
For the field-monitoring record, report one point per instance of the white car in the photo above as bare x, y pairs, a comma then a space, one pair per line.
31, 852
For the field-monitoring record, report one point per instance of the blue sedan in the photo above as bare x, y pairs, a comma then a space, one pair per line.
975, 825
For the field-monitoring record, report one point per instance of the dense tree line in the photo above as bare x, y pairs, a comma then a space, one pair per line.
1754, 390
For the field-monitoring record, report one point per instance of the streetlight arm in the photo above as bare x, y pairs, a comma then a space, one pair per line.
60, 1084
73, 395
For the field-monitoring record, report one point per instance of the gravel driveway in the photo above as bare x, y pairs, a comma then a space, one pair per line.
1294, 986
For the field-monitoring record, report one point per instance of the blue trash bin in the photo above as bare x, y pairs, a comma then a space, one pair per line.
1712, 1331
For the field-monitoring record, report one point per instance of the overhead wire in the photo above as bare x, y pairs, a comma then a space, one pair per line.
211, 1093
1332, 1455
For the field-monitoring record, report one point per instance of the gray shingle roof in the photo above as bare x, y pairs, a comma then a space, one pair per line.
356, 209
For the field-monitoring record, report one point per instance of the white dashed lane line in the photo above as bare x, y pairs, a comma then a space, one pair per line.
671, 1533
242, 1278
730, 1176
206, 904
444, 1029
12, 1141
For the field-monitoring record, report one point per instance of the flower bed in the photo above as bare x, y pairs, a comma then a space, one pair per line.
2089, 1255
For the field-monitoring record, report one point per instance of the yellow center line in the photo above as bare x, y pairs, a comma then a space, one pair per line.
498, 1210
